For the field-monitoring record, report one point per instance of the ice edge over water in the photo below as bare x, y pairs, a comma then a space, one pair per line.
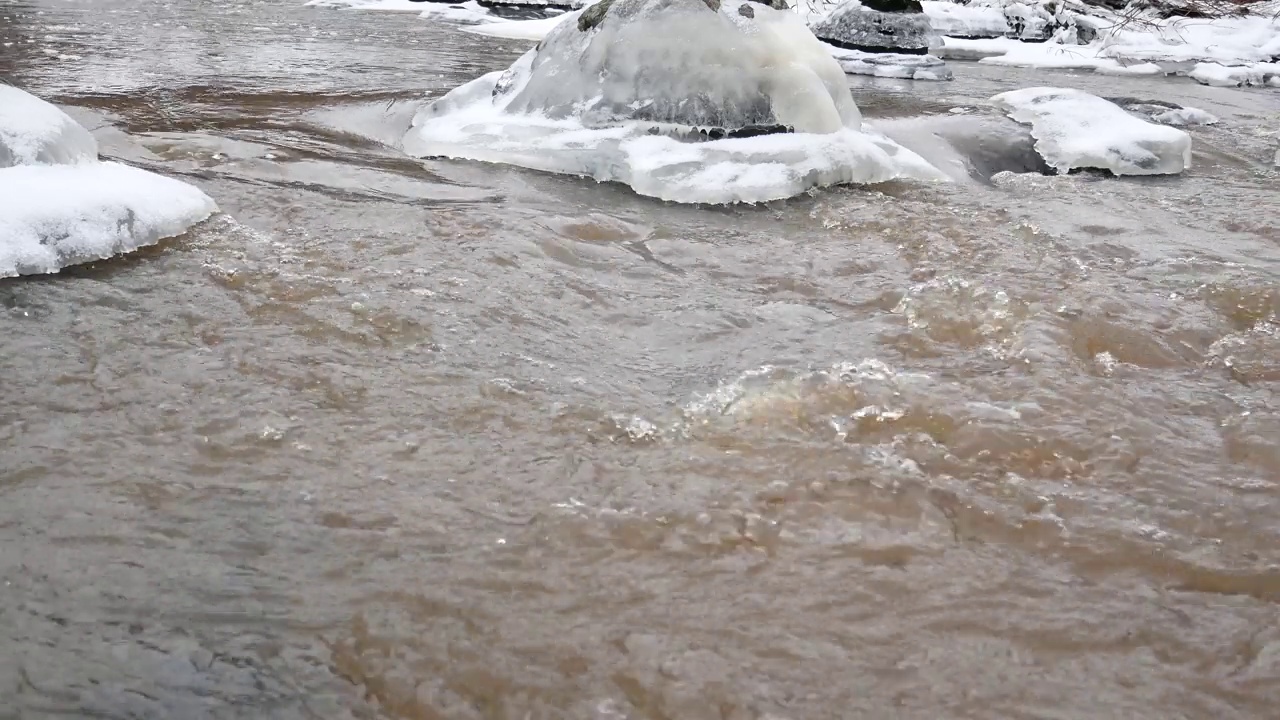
59, 206
1074, 129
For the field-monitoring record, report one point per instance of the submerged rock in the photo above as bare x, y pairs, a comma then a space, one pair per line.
857, 25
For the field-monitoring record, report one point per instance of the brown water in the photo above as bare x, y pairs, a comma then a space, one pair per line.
395, 439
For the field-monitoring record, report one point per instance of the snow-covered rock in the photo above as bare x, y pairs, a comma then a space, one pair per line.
53, 216
59, 206
891, 65
33, 131
1262, 74
712, 101
965, 21
889, 26
1074, 129
1165, 113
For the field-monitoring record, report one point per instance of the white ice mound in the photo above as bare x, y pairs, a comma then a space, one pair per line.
33, 131
897, 26
684, 100
1074, 129
891, 65
59, 206
53, 216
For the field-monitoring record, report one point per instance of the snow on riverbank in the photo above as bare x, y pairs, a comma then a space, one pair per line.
1228, 51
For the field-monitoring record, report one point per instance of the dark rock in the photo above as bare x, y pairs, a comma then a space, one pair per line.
592, 16
894, 6
746, 11
713, 4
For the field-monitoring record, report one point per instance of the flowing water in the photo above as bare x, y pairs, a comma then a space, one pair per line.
405, 439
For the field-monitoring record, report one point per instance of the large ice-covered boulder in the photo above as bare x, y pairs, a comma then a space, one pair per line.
667, 61
879, 26
1074, 130
33, 131
60, 206
689, 100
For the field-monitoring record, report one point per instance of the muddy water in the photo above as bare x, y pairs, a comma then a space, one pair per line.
393, 439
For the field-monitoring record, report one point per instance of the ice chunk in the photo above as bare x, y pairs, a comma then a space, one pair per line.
856, 25
1165, 113
523, 29
1074, 129
33, 131
52, 216
681, 101
1259, 74
891, 65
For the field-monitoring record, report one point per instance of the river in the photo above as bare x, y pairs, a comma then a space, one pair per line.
395, 438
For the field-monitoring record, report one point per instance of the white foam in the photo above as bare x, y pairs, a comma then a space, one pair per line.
53, 216
33, 131
577, 106
1074, 129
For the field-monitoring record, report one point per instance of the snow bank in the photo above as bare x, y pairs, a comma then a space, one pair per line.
679, 101
1074, 129
59, 206
33, 131
1232, 51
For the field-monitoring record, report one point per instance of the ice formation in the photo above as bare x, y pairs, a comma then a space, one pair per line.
891, 65
1233, 50
33, 131
59, 206
965, 21
1262, 74
685, 100
894, 26
1074, 129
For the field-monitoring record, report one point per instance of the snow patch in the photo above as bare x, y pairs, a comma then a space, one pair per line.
1074, 129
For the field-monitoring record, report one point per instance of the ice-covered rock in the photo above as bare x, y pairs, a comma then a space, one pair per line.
1262, 74
712, 101
965, 21
60, 206
1074, 129
52, 216
889, 26
891, 65
1165, 113
33, 131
